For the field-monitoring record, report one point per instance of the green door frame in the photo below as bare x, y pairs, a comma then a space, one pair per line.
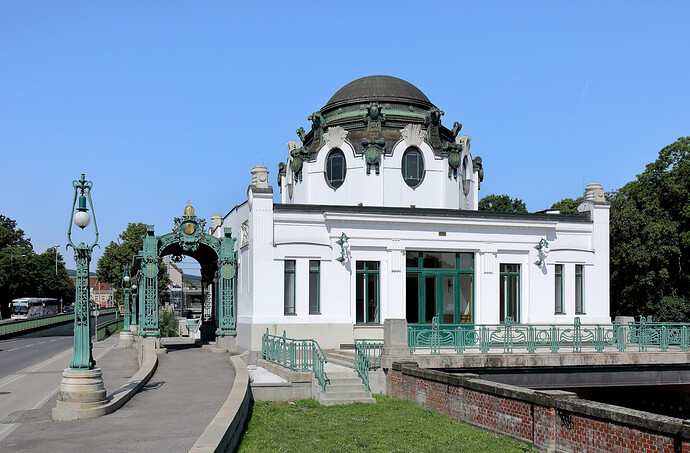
439, 274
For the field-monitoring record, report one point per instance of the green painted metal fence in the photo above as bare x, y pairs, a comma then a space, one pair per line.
367, 356
29, 324
295, 354
106, 329
509, 337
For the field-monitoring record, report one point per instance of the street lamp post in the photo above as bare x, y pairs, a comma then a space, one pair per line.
12, 259
56, 247
81, 389
126, 337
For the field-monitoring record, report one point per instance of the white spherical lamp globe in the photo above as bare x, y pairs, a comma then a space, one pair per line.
82, 219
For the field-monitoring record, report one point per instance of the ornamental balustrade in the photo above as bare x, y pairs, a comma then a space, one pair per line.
367, 356
295, 354
510, 337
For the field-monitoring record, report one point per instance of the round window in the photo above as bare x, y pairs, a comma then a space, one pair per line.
412, 167
335, 168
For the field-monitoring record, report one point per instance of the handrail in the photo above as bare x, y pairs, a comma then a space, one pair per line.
367, 356
28, 324
105, 330
530, 338
296, 354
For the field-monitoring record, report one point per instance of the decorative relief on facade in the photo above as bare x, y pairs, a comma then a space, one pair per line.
413, 135
396, 252
245, 233
488, 256
335, 136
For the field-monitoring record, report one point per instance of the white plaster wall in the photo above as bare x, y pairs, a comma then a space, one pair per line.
388, 188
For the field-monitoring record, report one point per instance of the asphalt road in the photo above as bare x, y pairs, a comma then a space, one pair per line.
19, 353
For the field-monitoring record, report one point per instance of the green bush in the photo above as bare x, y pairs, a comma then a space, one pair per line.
168, 324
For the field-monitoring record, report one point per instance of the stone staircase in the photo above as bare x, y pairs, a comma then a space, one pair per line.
343, 384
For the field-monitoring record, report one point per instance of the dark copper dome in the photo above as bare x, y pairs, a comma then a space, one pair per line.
378, 88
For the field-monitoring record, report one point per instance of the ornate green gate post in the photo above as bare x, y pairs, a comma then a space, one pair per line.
149, 326
227, 263
82, 384
126, 337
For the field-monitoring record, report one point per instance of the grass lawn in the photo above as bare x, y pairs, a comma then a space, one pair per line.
389, 425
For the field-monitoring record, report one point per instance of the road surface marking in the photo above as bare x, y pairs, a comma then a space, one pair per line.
13, 349
42, 342
27, 345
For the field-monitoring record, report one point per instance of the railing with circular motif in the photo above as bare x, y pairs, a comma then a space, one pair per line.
367, 356
510, 337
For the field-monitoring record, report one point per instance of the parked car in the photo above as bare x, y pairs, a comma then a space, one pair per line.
68, 310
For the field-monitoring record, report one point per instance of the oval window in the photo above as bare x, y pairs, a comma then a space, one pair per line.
335, 168
466, 174
412, 167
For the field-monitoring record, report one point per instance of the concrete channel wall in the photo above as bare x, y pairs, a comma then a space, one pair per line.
551, 420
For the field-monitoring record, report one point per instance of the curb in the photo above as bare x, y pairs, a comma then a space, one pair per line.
225, 430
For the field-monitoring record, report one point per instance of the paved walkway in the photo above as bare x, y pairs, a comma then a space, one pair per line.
168, 414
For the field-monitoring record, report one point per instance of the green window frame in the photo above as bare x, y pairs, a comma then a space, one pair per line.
412, 167
314, 287
509, 292
558, 279
289, 288
579, 290
336, 168
367, 292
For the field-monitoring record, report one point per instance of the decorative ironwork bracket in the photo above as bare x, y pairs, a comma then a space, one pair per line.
566, 419
542, 251
341, 242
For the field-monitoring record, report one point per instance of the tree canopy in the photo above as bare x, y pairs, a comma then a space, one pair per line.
501, 203
567, 205
24, 273
117, 254
650, 239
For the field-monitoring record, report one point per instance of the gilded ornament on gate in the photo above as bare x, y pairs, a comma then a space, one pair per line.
189, 228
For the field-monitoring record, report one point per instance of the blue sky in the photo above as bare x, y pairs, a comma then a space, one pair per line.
161, 102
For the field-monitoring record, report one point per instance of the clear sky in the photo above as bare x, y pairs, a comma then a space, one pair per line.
161, 102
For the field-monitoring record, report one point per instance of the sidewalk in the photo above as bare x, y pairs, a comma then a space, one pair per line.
168, 414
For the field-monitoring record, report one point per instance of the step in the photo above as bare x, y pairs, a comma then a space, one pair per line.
345, 398
349, 387
342, 362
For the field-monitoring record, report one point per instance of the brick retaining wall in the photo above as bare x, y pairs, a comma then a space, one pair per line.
551, 420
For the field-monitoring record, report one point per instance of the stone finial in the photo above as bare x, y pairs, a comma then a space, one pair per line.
260, 177
594, 192
216, 221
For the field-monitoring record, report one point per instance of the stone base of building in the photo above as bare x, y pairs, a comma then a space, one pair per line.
80, 396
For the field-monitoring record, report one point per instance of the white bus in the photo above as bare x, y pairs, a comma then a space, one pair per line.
34, 307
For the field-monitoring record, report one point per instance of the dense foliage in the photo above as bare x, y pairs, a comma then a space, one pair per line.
567, 205
117, 254
650, 239
168, 324
24, 273
501, 203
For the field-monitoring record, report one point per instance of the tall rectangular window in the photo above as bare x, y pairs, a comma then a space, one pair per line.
579, 290
510, 292
314, 287
558, 273
367, 292
289, 288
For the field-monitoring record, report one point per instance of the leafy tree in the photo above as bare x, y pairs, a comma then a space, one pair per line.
567, 205
501, 203
650, 239
168, 324
117, 254
25, 273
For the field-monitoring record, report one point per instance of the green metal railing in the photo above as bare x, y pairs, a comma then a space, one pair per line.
28, 324
507, 337
300, 355
106, 329
367, 356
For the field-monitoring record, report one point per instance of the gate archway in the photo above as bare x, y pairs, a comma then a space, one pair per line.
218, 261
